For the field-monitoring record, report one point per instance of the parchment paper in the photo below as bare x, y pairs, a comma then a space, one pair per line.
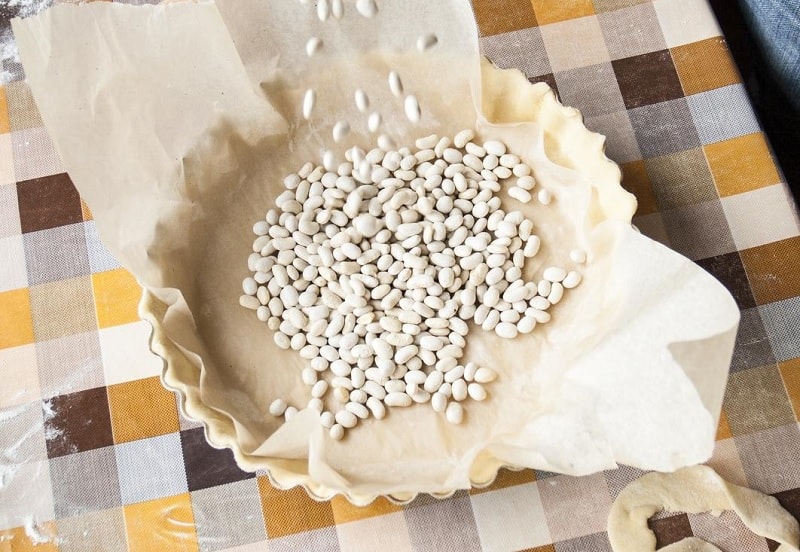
177, 124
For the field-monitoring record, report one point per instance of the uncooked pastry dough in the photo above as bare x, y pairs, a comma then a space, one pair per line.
198, 135
694, 490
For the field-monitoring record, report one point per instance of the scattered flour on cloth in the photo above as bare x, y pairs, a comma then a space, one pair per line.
9, 56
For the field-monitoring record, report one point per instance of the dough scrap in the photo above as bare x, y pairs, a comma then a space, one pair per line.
694, 490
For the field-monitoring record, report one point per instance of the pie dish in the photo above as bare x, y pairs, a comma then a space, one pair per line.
631, 369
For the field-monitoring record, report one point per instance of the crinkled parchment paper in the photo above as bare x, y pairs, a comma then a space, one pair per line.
177, 124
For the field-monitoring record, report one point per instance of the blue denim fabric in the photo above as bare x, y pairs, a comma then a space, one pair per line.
775, 25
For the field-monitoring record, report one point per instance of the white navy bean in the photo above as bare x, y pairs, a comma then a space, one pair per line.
462, 138
556, 293
313, 46
336, 432
376, 407
395, 84
554, 274
439, 402
346, 418
494, 147
309, 101
397, 399
506, 330
525, 182
521, 170
476, 391
454, 413
367, 8
545, 197
571, 280
337, 8
358, 409
326, 419
323, 10
412, 109
340, 130
426, 42
532, 246
362, 100
277, 407
459, 390
578, 256
520, 194
526, 325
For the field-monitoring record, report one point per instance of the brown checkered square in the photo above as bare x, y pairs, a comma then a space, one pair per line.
547, 78
647, 79
48, 202
729, 270
670, 529
77, 422
206, 466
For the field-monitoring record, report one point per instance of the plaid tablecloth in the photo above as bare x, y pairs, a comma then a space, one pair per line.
94, 454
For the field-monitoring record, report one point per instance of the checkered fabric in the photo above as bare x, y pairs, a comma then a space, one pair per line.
96, 454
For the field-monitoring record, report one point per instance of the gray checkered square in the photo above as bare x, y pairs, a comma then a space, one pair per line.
228, 515
84, 482
324, 540
723, 113
632, 31
664, 127
446, 525
523, 50
597, 542
617, 479
752, 346
100, 258
22, 435
56, 254
593, 89
681, 178
699, 231
769, 458
652, 226
150, 468
756, 399
782, 322
621, 145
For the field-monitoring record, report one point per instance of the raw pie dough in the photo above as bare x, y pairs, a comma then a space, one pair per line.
197, 106
694, 490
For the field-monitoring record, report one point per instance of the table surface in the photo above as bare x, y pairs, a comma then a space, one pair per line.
95, 454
